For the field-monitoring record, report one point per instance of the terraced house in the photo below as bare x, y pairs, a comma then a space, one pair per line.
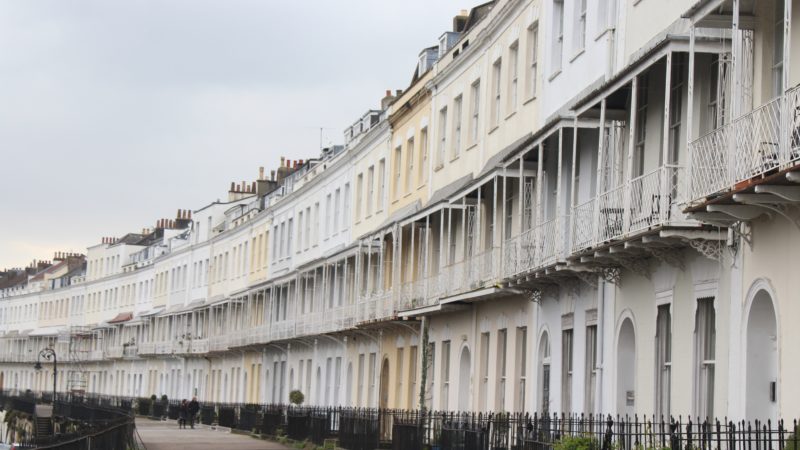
574, 206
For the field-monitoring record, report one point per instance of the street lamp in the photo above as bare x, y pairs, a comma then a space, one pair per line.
48, 354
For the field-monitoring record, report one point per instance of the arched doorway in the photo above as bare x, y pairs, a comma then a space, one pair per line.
384, 397
464, 378
626, 368
762, 359
543, 373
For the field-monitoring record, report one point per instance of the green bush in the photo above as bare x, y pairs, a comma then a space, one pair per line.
576, 443
793, 441
296, 397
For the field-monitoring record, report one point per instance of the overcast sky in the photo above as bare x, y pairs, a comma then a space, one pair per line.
116, 113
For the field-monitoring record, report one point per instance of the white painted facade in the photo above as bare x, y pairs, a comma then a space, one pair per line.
605, 229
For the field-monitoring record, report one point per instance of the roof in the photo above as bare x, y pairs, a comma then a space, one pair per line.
444, 193
122, 317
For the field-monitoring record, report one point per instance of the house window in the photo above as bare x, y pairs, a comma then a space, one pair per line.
346, 206
359, 194
663, 360
410, 171
558, 35
522, 367
533, 59
440, 152
484, 372
580, 28
457, 126
566, 370
398, 169
308, 227
360, 389
412, 376
502, 344
370, 188
641, 127
475, 92
336, 208
509, 219
705, 354
675, 109
591, 368
513, 76
445, 395
777, 50
544, 375
316, 220
423, 158
381, 184
496, 83
299, 232
328, 215
399, 375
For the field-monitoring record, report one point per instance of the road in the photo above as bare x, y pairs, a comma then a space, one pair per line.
167, 436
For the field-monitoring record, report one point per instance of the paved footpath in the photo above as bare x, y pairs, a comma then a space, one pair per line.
167, 436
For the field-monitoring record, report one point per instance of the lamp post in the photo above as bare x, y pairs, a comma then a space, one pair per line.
48, 354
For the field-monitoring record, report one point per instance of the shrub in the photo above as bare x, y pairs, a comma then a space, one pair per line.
576, 443
296, 397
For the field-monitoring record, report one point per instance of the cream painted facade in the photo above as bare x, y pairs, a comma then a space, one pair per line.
574, 207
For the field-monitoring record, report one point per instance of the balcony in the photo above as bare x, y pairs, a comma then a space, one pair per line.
535, 248
130, 351
376, 306
644, 203
147, 348
115, 352
218, 343
198, 346
745, 152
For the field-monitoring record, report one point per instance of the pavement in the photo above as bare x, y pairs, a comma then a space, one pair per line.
159, 435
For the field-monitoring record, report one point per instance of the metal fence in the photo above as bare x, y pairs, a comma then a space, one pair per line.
77, 422
370, 428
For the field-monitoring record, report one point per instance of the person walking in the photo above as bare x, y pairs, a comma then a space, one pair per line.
183, 413
194, 408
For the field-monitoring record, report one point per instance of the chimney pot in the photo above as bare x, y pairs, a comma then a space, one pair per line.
261, 173
283, 159
388, 92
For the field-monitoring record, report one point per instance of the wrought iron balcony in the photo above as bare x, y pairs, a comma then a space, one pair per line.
732, 157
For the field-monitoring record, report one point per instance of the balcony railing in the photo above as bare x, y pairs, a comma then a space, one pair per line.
199, 346
748, 147
115, 352
644, 202
147, 348
535, 248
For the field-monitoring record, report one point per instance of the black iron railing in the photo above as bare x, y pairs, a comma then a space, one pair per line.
370, 428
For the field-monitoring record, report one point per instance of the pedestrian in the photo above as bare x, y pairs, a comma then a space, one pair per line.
183, 413
194, 408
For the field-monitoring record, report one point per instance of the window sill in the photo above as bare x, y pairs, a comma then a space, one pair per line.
512, 114
421, 186
577, 54
408, 194
493, 129
529, 99
438, 167
475, 145
454, 158
554, 75
603, 33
